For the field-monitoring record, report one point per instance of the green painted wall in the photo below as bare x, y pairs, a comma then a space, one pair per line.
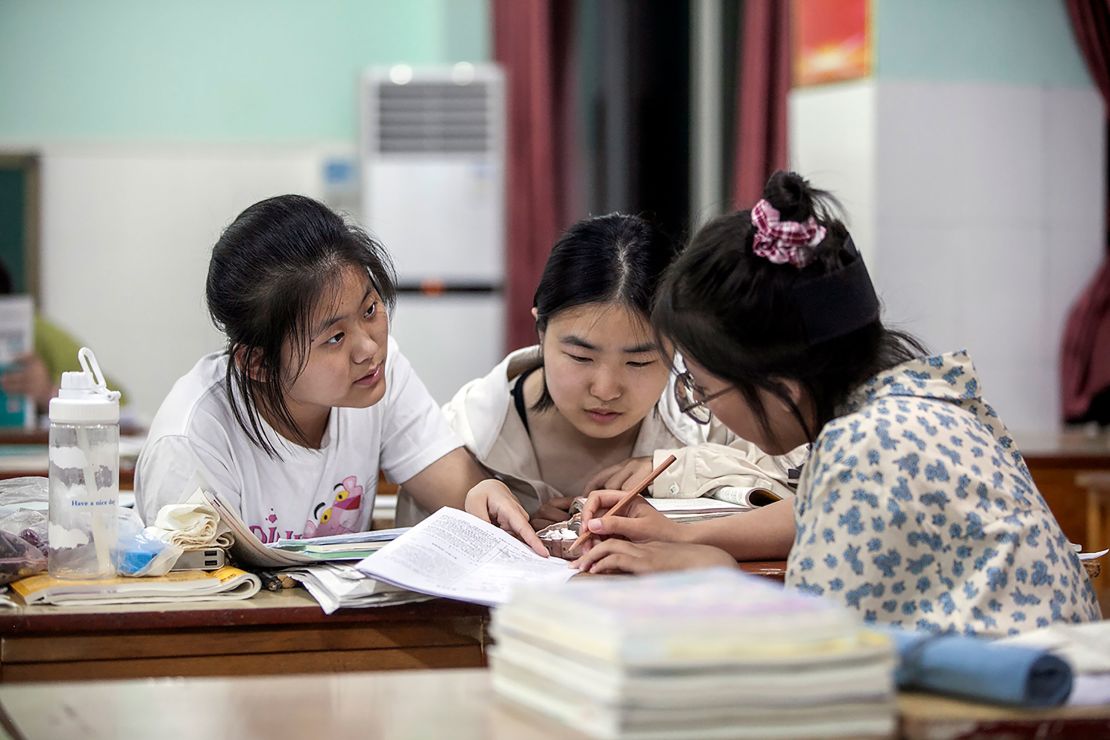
1023, 42
213, 70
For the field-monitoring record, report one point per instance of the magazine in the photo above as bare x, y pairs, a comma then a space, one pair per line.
180, 585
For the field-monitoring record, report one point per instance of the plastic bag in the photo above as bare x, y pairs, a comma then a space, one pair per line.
29, 490
142, 552
19, 558
23, 505
29, 524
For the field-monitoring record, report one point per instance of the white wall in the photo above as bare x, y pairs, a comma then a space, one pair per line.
985, 206
831, 136
992, 206
127, 232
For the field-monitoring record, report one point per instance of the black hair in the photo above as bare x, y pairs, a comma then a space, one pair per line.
615, 258
735, 312
270, 270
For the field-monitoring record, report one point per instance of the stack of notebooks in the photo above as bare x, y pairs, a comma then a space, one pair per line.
712, 653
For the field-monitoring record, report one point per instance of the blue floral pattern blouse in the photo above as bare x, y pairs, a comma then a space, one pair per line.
917, 509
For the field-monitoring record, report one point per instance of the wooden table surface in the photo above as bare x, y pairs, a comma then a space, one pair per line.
455, 704
1069, 448
271, 633
283, 632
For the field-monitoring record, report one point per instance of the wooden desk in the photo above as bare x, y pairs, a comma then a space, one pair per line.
929, 717
24, 452
41, 435
773, 569
456, 704
1055, 460
282, 632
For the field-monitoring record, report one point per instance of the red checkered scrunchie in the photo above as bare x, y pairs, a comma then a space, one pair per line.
784, 241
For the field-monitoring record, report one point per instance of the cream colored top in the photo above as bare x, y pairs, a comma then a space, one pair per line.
709, 456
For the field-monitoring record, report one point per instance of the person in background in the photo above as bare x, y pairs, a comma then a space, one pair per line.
915, 507
593, 403
36, 374
311, 399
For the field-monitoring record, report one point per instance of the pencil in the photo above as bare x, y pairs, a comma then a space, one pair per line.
625, 500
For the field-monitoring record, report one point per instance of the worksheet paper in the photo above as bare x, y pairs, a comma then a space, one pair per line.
458, 556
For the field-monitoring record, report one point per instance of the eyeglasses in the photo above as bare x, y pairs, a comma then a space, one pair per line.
692, 399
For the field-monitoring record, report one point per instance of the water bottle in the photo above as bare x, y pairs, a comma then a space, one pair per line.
84, 474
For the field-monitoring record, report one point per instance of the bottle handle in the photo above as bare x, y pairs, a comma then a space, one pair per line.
89, 364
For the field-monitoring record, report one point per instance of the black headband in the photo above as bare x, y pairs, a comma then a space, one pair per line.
837, 303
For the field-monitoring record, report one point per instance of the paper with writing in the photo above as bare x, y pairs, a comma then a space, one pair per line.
459, 556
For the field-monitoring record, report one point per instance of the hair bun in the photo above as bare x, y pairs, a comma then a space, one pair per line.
790, 194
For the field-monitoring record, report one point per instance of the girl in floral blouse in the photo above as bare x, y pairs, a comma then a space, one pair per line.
916, 507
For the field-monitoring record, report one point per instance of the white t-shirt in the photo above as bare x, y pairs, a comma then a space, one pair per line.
195, 439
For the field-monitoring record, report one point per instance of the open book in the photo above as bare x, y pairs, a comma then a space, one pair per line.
458, 556
695, 509
181, 585
249, 550
725, 501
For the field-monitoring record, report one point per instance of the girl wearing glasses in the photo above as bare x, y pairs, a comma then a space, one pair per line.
596, 390
915, 506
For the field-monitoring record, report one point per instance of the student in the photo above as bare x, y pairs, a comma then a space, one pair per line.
595, 391
36, 374
311, 397
915, 506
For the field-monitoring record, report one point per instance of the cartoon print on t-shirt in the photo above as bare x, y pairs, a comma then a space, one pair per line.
341, 515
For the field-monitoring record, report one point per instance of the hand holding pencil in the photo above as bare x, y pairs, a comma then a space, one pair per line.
616, 508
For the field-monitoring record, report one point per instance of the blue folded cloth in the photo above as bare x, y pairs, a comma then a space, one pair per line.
977, 668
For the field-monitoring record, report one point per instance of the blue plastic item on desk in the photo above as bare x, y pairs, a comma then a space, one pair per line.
976, 668
131, 561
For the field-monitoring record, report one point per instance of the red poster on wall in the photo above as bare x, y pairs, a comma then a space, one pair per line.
831, 40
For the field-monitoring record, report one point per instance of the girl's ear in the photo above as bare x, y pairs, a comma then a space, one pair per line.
536, 318
249, 360
801, 398
794, 390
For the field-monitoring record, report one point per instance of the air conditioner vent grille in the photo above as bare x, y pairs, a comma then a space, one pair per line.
433, 117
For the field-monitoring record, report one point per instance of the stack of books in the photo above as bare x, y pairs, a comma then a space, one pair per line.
712, 653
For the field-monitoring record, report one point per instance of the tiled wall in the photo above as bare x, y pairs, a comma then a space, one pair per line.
972, 168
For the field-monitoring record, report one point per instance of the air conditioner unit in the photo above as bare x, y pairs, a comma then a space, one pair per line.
433, 187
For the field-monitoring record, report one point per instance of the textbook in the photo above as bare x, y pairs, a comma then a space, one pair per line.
724, 501
689, 619
286, 553
709, 653
459, 556
181, 585
695, 509
746, 497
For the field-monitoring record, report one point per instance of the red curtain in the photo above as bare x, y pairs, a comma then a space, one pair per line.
530, 42
1085, 358
764, 80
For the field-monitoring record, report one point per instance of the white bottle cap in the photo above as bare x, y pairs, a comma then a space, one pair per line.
83, 397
